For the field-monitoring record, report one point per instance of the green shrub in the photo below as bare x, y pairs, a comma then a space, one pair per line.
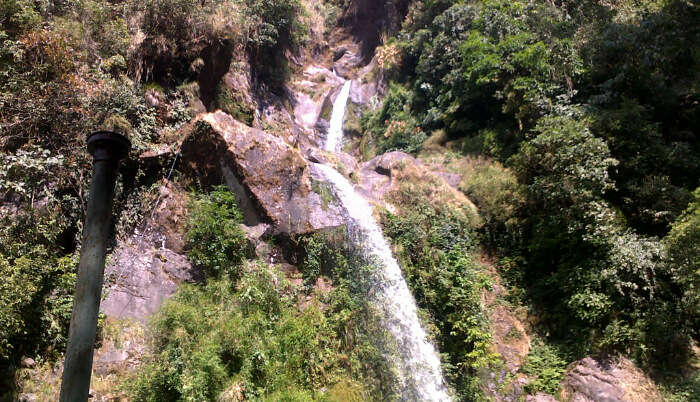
19, 15
547, 366
120, 106
392, 127
496, 192
36, 294
683, 244
352, 312
612, 281
215, 239
248, 336
685, 389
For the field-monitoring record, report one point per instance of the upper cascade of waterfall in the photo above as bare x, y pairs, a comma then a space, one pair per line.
418, 362
335, 131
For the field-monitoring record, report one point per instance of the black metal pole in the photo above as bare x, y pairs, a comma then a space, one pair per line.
107, 149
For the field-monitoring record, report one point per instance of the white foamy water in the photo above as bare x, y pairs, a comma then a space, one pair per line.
417, 361
335, 132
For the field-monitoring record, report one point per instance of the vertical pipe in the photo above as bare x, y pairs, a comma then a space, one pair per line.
107, 149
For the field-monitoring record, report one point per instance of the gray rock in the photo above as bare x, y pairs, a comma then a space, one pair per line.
361, 91
540, 397
27, 398
167, 220
316, 156
141, 276
349, 164
347, 59
254, 235
588, 380
28, 362
306, 110
339, 52
375, 174
147, 268
154, 98
383, 164
453, 179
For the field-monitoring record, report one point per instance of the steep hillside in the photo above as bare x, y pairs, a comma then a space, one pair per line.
357, 200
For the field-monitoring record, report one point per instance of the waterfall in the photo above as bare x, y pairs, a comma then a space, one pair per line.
335, 132
418, 362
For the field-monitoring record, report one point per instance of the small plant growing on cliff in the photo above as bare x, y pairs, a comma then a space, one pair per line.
216, 241
546, 364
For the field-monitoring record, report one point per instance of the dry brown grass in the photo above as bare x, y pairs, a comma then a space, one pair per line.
416, 182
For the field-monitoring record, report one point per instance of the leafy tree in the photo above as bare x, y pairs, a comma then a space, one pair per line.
640, 81
608, 278
683, 244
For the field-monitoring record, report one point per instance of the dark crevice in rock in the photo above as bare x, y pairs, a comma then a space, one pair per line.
217, 60
368, 19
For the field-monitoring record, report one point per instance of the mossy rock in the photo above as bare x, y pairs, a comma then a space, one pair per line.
351, 125
326, 109
233, 104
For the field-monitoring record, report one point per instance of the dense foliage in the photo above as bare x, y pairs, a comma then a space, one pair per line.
576, 124
594, 108
244, 339
217, 244
37, 262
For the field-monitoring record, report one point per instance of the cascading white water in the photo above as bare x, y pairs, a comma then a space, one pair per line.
418, 362
335, 131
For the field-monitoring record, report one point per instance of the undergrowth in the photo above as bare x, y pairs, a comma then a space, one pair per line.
245, 334
546, 366
436, 248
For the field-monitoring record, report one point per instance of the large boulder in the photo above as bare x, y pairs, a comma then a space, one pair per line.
141, 276
607, 380
271, 179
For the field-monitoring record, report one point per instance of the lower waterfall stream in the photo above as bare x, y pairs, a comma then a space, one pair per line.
417, 362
